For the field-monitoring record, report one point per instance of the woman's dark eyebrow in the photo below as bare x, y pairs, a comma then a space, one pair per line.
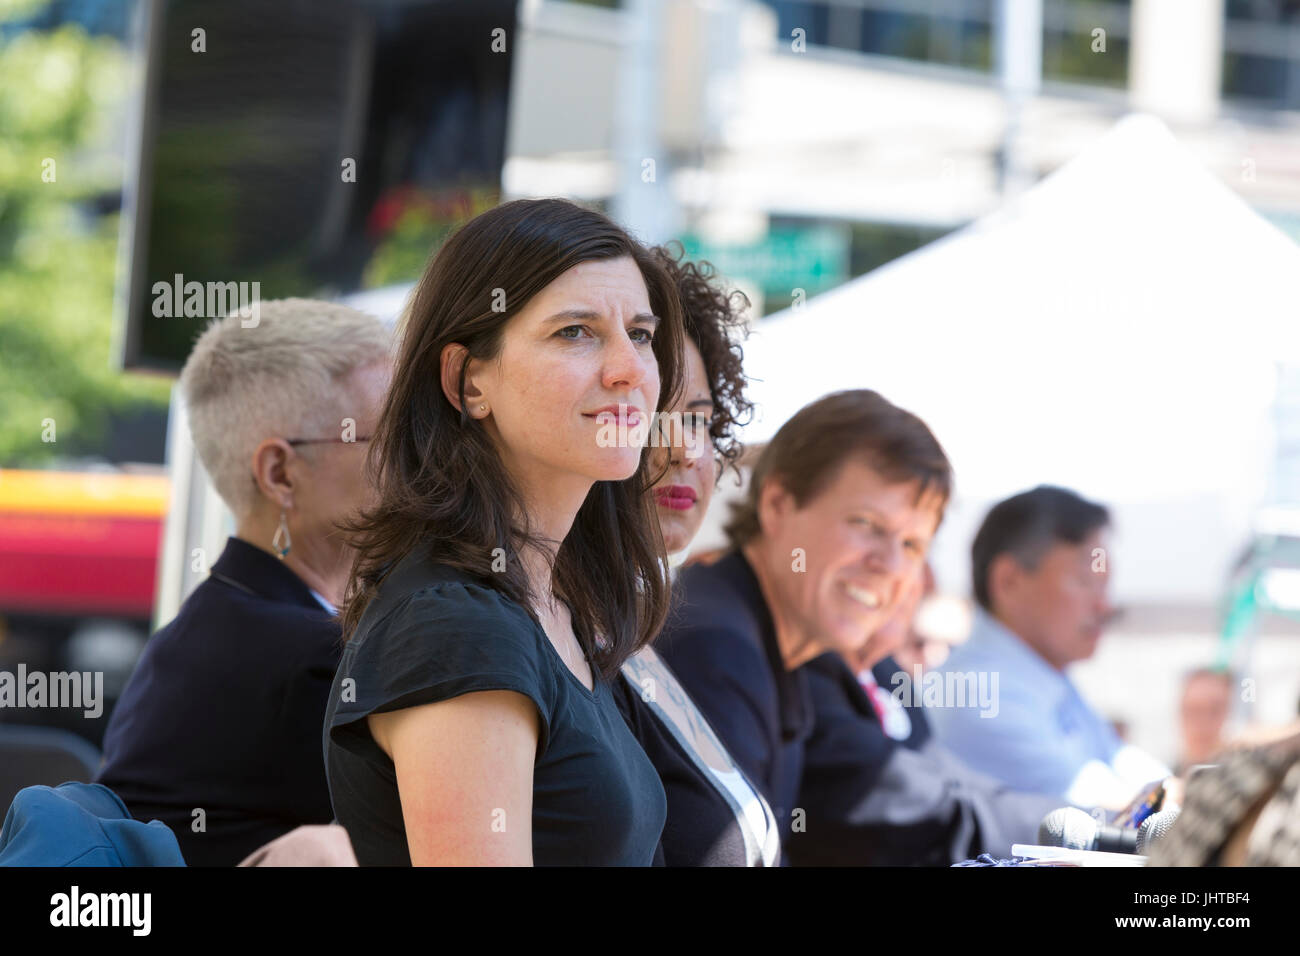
573, 314
587, 314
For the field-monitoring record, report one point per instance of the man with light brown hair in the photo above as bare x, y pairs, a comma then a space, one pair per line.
842, 505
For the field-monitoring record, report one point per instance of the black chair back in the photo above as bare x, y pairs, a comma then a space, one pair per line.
42, 755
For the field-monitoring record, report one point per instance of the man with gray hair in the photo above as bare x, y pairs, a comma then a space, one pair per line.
218, 733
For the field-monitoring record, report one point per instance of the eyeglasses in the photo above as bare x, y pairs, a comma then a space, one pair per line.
326, 441
319, 441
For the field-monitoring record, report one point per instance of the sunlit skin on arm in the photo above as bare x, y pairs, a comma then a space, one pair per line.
465, 776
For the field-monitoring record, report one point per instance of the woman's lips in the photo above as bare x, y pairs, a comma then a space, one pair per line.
628, 415
677, 497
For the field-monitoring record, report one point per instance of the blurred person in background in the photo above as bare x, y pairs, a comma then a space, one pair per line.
1040, 570
1203, 713
218, 731
1242, 811
878, 789
916, 651
716, 817
838, 516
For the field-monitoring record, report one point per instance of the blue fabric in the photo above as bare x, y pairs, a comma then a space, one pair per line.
1043, 732
81, 824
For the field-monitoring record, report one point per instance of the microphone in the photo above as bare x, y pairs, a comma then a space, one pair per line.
1064, 828
1073, 829
1155, 827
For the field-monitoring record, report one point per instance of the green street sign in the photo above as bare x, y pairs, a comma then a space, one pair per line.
814, 259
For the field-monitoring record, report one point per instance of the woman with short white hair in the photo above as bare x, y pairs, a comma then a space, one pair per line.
218, 733
281, 413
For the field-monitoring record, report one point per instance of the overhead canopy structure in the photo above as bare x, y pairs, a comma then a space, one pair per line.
1116, 329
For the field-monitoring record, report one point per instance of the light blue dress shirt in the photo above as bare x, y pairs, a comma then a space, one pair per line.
323, 603
1043, 738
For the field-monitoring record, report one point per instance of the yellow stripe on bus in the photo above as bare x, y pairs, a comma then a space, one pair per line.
82, 493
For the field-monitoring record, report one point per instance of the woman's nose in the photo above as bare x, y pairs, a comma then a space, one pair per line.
626, 366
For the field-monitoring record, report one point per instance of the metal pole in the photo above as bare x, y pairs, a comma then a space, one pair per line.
1019, 47
643, 202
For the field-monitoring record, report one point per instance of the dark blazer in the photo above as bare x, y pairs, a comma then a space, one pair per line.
720, 641
224, 712
874, 800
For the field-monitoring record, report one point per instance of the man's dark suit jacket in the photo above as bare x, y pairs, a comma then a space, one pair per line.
874, 800
721, 643
224, 711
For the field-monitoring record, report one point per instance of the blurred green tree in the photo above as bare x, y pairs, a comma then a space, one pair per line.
63, 102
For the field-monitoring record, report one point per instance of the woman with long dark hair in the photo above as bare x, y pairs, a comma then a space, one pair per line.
514, 560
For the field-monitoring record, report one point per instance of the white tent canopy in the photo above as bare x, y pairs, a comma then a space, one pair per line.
1115, 330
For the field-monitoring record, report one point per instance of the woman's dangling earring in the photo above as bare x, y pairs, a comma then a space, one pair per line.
281, 548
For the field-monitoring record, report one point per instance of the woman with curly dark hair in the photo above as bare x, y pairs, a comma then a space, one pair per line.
700, 430
716, 817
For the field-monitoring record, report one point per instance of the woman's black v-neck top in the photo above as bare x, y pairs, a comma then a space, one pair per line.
433, 633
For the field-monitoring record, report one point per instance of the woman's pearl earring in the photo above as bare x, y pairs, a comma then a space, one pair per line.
482, 408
